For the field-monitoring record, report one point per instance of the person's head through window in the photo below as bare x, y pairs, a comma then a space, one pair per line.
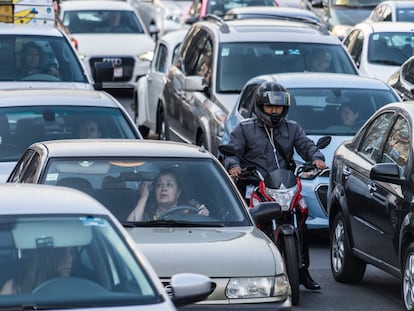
38, 266
321, 61
32, 58
167, 190
89, 129
349, 114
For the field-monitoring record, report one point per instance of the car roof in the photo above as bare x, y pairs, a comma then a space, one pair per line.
387, 26
77, 5
319, 79
122, 148
268, 30
42, 199
407, 105
56, 97
31, 30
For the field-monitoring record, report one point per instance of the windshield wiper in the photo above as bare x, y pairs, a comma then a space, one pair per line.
169, 222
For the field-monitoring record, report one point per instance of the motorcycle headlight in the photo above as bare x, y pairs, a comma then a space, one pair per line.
260, 287
283, 196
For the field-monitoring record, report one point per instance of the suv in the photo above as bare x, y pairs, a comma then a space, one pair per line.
217, 58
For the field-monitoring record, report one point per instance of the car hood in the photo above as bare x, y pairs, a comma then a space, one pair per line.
13, 85
328, 151
215, 252
5, 170
227, 101
382, 72
123, 44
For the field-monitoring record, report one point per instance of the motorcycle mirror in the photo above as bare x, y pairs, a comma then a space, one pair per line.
227, 150
323, 142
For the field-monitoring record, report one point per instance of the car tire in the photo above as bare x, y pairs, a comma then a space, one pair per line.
344, 266
407, 283
162, 127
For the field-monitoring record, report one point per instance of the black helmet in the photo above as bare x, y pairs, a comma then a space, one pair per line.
274, 94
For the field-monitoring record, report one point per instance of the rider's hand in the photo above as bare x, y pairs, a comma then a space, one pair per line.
320, 164
235, 171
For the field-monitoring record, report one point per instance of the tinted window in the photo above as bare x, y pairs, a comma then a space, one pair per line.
390, 48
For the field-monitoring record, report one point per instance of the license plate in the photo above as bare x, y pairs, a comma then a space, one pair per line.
118, 72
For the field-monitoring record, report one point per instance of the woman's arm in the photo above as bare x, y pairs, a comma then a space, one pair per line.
138, 212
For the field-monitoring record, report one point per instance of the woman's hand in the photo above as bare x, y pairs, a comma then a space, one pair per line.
202, 210
144, 189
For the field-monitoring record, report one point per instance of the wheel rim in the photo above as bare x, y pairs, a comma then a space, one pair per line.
338, 246
408, 282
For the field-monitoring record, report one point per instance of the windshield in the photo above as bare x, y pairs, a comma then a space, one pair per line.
356, 3
101, 21
240, 62
52, 262
120, 183
22, 126
335, 111
390, 48
220, 7
39, 58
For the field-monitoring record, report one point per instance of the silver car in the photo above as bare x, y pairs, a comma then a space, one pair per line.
74, 254
223, 243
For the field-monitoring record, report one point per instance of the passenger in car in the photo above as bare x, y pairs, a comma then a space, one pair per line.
168, 189
349, 115
32, 55
321, 61
41, 264
89, 129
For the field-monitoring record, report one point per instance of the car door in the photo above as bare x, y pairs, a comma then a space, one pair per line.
358, 186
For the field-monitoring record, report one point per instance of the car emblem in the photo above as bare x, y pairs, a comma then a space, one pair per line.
114, 60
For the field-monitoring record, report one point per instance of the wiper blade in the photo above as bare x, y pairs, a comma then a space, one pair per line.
169, 222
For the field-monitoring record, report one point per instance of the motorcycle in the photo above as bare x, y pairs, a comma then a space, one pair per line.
282, 187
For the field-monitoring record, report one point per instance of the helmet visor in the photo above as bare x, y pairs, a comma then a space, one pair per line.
276, 98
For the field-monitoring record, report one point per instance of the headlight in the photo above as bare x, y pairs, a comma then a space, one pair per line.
146, 56
283, 196
257, 287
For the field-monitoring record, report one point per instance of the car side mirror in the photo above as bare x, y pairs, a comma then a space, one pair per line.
387, 172
189, 288
194, 83
264, 211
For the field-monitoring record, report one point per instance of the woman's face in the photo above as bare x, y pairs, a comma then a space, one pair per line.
167, 191
348, 117
65, 262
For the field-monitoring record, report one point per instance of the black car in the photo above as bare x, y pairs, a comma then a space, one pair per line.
403, 80
370, 200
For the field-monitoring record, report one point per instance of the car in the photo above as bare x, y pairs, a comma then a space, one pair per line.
218, 57
392, 11
288, 13
78, 255
201, 8
369, 200
402, 80
340, 15
27, 116
112, 32
56, 51
118, 172
148, 91
316, 100
378, 49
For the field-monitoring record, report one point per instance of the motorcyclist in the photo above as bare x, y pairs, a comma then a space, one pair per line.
267, 142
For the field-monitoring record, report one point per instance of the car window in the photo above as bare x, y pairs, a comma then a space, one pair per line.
22, 164
194, 53
390, 48
102, 21
240, 61
39, 58
247, 101
353, 43
115, 182
81, 259
205, 62
373, 139
161, 58
23, 126
398, 145
407, 71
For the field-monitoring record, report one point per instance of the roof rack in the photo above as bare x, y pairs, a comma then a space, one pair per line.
39, 12
224, 28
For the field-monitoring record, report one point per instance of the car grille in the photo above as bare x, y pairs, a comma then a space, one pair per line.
322, 195
127, 64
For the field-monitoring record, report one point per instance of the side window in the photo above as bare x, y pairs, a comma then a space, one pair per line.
161, 60
195, 9
192, 53
18, 171
354, 45
371, 143
408, 72
247, 100
205, 62
387, 14
398, 145
30, 174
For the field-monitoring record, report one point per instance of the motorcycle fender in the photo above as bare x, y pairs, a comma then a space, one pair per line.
286, 229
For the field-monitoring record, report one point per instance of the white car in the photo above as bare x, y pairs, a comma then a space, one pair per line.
393, 11
380, 48
110, 31
146, 99
74, 254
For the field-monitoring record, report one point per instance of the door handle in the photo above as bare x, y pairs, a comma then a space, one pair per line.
346, 171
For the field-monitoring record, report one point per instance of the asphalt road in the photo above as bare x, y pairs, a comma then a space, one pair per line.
378, 291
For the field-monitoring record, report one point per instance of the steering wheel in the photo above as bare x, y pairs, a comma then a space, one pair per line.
67, 284
181, 209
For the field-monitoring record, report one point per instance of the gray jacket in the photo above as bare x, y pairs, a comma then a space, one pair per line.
252, 144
